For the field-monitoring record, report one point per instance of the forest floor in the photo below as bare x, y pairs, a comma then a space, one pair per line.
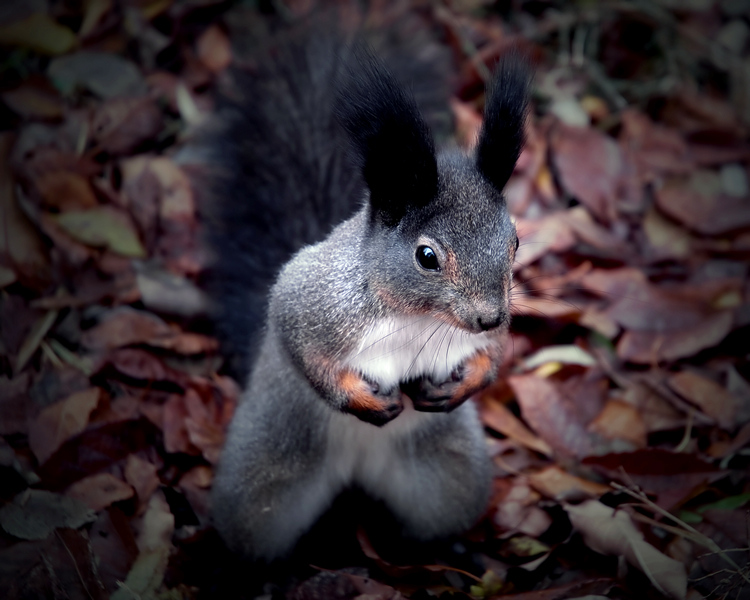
620, 426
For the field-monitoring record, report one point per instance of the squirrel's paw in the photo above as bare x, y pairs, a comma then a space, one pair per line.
464, 381
369, 402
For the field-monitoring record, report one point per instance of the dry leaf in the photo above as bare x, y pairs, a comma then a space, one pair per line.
704, 212
609, 531
213, 49
40, 33
590, 165
555, 483
124, 326
99, 491
61, 421
103, 226
34, 514
497, 416
712, 398
620, 420
553, 416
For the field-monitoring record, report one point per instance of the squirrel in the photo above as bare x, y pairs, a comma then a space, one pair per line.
364, 279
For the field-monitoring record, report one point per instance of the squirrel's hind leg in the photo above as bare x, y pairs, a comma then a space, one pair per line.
438, 482
266, 495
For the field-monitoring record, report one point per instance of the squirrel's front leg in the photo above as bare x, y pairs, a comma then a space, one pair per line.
367, 400
350, 392
471, 376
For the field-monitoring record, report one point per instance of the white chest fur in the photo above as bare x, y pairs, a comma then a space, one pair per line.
402, 348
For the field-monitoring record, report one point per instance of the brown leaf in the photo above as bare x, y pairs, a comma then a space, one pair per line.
21, 247
612, 532
99, 491
656, 149
213, 49
35, 98
620, 420
205, 426
122, 124
702, 211
176, 438
142, 475
555, 483
61, 421
542, 236
647, 347
553, 416
670, 475
712, 398
124, 326
517, 511
591, 168
65, 190
14, 394
497, 416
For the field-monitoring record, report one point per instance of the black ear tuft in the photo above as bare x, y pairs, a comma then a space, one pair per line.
502, 136
393, 143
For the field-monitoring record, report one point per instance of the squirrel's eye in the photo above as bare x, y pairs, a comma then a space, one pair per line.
427, 258
516, 243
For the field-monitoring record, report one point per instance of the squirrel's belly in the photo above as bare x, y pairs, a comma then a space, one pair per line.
398, 349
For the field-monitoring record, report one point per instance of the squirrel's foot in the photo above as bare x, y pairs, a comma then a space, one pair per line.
464, 381
367, 401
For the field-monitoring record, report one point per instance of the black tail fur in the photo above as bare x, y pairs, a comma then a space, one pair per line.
281, 173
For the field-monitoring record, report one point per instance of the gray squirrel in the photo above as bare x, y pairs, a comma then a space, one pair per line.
363, 278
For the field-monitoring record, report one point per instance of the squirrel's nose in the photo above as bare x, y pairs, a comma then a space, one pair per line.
491, 320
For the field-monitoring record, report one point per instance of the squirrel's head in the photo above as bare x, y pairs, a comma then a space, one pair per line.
441, 238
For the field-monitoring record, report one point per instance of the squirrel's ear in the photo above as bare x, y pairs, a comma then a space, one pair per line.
392, 141
502, 135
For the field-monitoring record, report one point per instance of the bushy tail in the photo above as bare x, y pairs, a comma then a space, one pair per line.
281, 174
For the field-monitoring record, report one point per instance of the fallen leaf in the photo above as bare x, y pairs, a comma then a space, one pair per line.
650, 347
145, 577
213, 49
539, 237
107, 75
94, 10
612, 532
620, 420
555, 483
156, 526
554, 417
35, 98
34, 514
21, 246
591, 167
703, 212
142, 475
124, 326
99, 491
38, 32
61, 421
712, 398
670, 475
103, 226
497, 416
122, 124
34, 339
65, 190
569, 354
517, 512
